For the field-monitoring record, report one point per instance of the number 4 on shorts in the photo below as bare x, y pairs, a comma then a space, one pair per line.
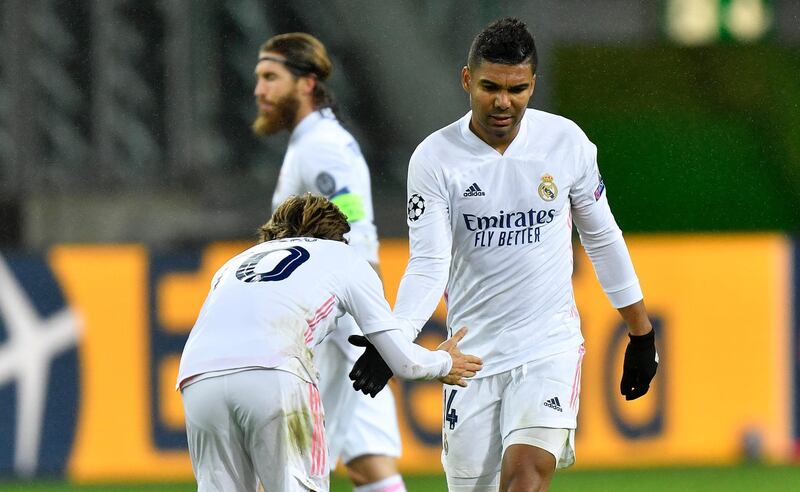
450, 412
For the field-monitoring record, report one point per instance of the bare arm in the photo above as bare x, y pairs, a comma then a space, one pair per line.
635, 317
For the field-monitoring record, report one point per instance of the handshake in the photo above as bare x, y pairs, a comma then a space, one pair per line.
370, 373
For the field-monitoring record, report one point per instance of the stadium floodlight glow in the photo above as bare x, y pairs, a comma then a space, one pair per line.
693, 22
747, 20
699, 22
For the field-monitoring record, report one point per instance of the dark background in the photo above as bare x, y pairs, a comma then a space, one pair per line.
129, 120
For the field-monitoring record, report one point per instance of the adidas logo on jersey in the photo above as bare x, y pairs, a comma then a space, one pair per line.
474, 190
554, 404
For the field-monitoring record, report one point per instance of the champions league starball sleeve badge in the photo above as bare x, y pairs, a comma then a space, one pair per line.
416, 207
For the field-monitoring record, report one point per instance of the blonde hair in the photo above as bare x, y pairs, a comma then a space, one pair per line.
306, 216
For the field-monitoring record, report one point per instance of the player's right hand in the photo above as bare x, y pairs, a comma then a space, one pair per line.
464, 365
370, 372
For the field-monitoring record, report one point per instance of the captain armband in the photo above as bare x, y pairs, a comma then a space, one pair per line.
351, 205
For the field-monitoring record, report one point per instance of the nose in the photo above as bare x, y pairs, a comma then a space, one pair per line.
502, 101
260, 89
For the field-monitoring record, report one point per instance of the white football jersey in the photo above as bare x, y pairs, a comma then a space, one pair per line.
497, 229
324, 159
276, 301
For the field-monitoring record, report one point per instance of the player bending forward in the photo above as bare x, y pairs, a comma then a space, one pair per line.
492, 202
247, 374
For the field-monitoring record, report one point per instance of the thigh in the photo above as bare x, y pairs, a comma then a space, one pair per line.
544, 394
558, 443
282, 419
372, 429
219, 457
471, 438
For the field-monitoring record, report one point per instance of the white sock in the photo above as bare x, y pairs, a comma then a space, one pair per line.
390, 484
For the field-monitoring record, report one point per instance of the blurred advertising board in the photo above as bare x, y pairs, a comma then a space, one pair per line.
91, 336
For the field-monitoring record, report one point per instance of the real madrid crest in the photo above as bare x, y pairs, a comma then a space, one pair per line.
548, 189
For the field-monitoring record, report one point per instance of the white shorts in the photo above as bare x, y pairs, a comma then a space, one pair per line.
494, 412
261, 423
355, 424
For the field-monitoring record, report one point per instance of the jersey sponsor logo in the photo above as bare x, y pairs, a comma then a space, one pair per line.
416, 207
505, 220
325, 183
554, 404
548, 191
598, 192
516, 228
474, 190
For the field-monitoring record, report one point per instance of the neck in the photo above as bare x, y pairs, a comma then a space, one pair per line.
305, 109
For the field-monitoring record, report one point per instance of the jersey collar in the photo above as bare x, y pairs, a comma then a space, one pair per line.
479, 146
311, 119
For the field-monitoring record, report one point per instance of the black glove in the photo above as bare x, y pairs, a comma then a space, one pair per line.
370, 373
639, 368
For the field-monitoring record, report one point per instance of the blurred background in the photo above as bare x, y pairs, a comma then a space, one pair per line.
128, 174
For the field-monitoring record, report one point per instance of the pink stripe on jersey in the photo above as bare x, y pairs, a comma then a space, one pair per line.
313, 326
322, 308
576, 380
321, 316
394, 487
318, 446
323, 468
323, 311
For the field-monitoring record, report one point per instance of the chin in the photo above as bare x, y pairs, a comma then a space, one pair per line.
265, 126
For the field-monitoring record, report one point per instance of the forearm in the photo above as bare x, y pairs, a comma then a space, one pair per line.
614, 268
419, 293
408, 360
635, 317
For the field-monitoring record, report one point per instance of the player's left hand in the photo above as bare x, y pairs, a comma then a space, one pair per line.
639, 367
370, 373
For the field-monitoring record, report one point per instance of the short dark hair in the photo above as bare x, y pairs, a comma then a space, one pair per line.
305, 216
505, 41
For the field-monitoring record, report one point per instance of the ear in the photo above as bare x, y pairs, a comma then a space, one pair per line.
306, 85
466, 78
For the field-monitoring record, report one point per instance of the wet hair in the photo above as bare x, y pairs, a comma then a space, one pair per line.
505, 41
305, 216
305, 56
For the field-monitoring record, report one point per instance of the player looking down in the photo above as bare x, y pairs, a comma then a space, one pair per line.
492, 199
247, 374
